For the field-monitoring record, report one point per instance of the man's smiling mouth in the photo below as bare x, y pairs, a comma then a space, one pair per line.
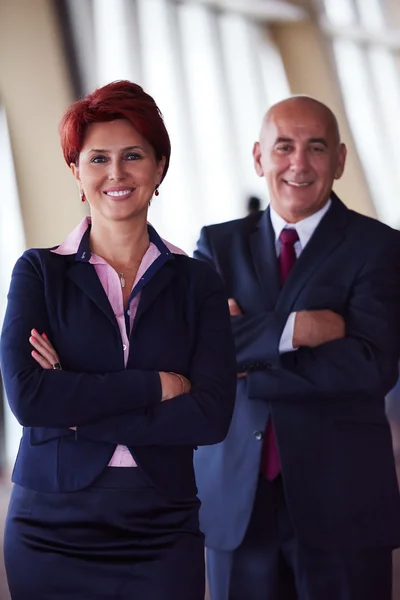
298, 184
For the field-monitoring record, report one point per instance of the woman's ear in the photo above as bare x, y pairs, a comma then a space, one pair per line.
75, 171
160, 169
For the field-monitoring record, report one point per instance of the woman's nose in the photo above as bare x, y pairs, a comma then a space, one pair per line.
116, 170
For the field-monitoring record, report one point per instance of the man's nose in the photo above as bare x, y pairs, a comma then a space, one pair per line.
299, 161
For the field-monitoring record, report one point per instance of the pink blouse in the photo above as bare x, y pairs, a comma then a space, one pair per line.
112, 286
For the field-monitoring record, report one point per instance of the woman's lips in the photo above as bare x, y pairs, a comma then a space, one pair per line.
119, 194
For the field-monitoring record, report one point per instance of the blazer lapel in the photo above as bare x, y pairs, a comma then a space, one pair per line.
84, 276
263, 253
328, 235
154, 287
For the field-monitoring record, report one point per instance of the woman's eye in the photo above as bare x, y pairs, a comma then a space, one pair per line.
98, 159
133, 156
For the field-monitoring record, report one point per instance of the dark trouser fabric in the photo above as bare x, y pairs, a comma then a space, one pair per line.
120, 539
271, 564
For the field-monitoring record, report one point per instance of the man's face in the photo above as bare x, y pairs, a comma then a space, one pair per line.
299, 155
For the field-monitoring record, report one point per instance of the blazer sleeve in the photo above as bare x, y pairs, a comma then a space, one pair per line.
50, 398
202, 416
365, 360
256, 337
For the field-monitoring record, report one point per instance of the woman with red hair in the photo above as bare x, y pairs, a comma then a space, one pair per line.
118, 360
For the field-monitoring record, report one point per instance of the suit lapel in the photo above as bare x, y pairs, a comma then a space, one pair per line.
328, 235
263, 254
84, 276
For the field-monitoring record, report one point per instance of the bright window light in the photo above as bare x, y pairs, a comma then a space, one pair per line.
369, 77
213, 75
12, 245
340, 12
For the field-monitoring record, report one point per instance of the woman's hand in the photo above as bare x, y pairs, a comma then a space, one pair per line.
173, 384
44, 352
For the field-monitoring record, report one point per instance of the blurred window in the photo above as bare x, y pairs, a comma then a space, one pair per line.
213, 75
12, 245
367, 53
12, 242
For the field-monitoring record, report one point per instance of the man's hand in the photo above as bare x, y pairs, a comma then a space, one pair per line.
315, 327
235, 311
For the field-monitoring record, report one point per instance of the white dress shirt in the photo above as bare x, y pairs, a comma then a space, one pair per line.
305, 229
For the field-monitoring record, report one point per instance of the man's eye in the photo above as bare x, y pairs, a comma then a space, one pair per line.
317, 149
98, 159
284, 148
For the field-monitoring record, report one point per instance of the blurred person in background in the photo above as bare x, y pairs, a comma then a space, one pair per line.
301, 499
253, 205
118, 360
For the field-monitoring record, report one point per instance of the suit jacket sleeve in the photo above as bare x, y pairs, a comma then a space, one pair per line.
202, 416
50, 398
257, 337
365, 361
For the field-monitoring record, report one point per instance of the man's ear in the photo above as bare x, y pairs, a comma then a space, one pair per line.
341, 161
257, 159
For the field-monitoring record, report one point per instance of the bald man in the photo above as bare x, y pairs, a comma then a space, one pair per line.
301, 500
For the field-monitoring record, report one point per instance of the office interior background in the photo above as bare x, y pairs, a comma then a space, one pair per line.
214, 67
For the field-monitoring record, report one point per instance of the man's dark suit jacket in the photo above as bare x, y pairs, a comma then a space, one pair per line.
182, 325
327, 403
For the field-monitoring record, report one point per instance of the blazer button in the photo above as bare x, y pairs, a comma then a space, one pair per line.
258, 435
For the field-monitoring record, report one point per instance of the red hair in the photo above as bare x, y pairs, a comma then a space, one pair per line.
116, 100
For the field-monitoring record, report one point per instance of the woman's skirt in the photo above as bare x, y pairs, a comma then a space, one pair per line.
119, 539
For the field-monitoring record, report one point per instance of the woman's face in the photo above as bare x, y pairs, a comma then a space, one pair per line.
117, 171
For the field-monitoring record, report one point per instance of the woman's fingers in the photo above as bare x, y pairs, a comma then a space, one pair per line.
43, 348
42, 361
186, 384
42, 340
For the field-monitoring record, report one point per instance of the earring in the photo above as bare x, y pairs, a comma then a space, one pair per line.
156, 192
83, 197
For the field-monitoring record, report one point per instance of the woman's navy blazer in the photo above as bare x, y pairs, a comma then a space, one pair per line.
182, 325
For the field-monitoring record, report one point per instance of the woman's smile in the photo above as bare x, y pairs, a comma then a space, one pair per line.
119, 193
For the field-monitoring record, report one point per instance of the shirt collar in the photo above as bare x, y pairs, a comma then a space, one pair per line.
77, 242
305, 228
